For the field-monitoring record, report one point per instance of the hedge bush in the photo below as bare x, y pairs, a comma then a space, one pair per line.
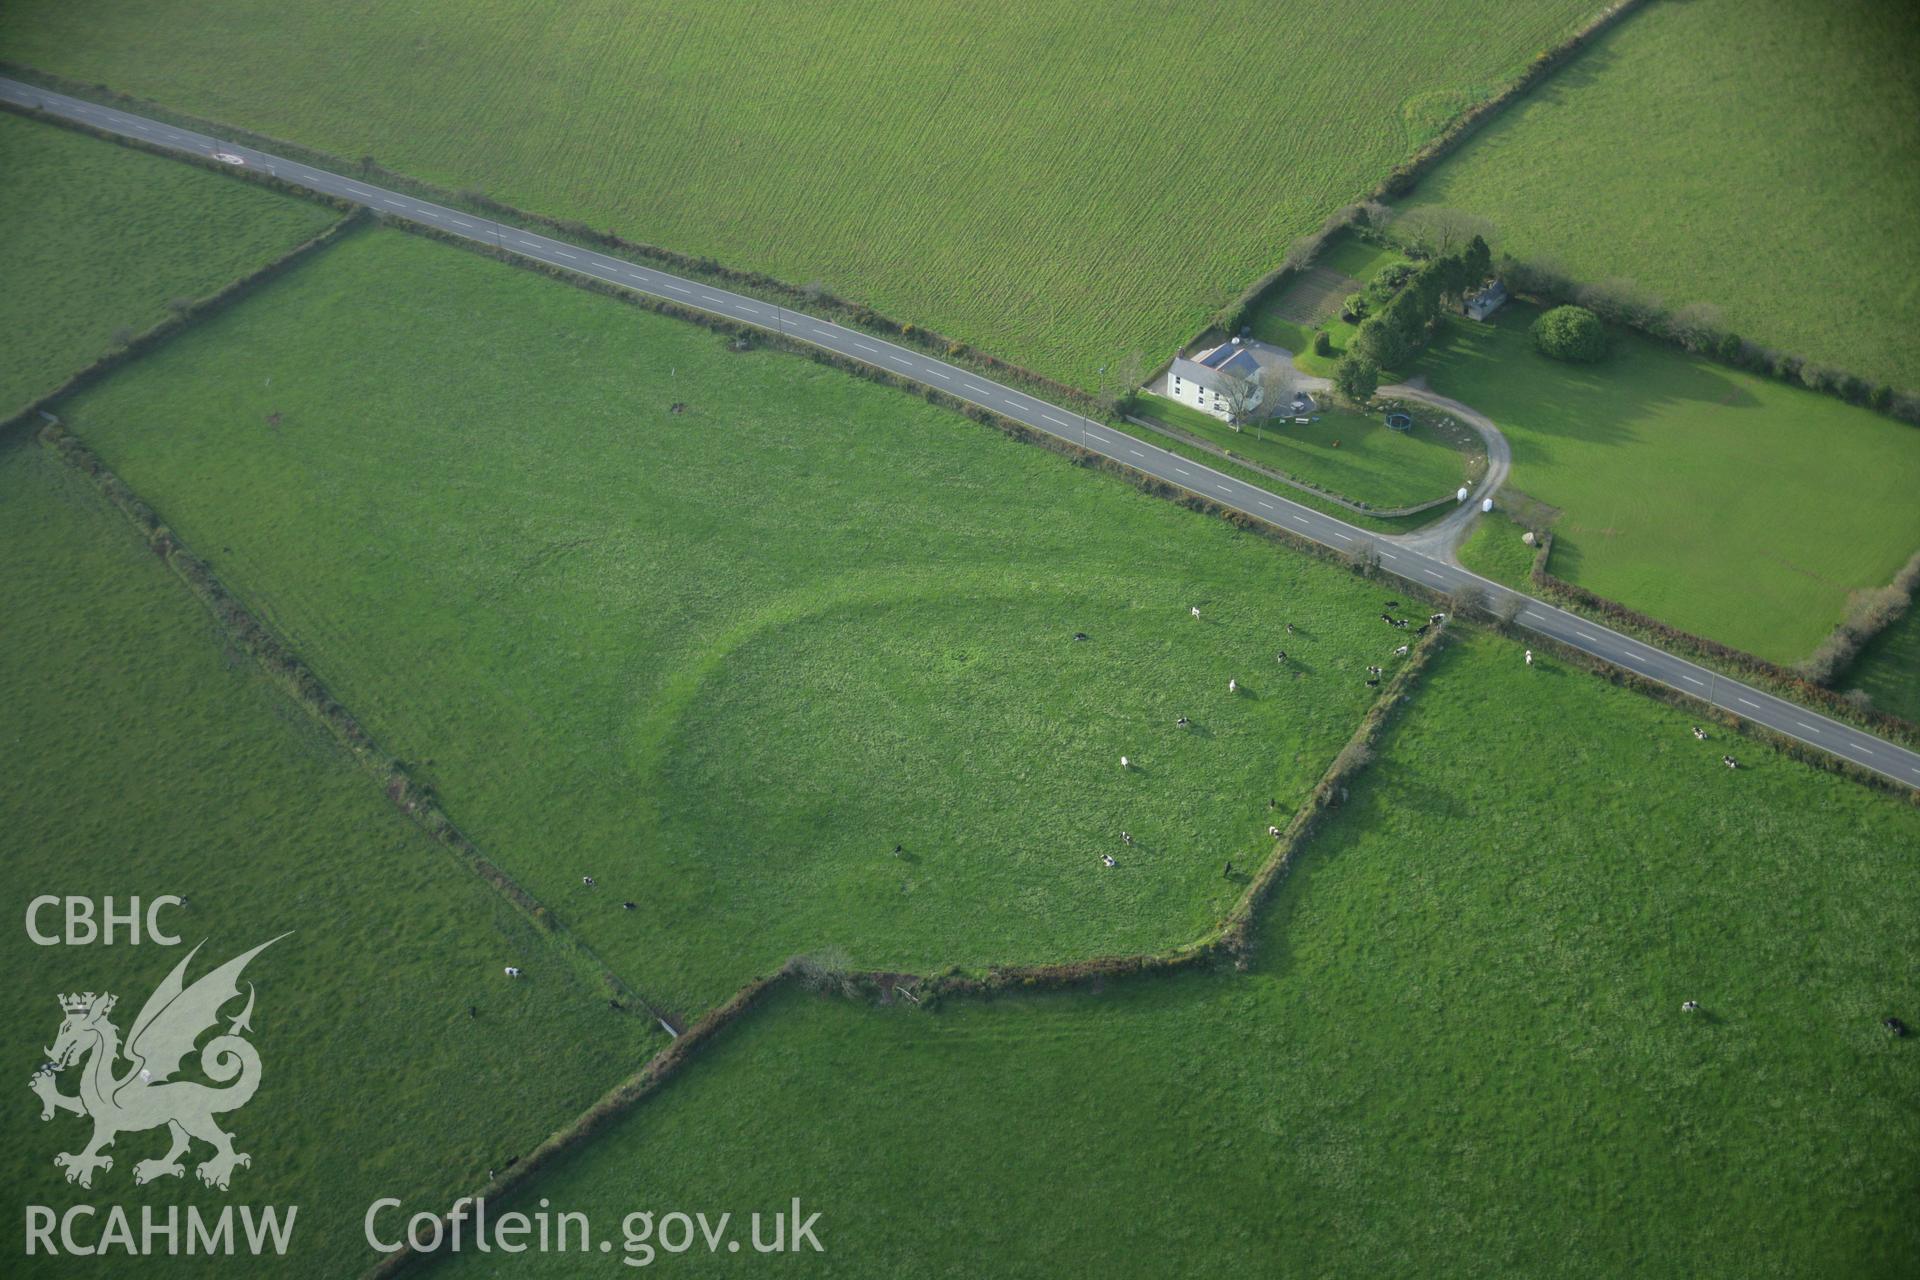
1570, 333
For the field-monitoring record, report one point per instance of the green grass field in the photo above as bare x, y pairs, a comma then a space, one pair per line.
1720, 502
725, 660
975, 170
1354, 455
146, 758
1889, 668
1756, 156
1460, 1052
101, 237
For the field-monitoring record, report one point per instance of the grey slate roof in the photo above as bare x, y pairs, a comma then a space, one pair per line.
1209, 365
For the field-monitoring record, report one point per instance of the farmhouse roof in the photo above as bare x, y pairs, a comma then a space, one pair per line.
1208, 367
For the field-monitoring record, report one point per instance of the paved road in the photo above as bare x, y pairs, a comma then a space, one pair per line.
1784, 717
1441, 539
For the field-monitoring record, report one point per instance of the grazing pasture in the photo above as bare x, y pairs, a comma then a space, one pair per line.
1757, 155
975, 168
725, 659
1721, 502
147, 758
1460, 1052
100, 238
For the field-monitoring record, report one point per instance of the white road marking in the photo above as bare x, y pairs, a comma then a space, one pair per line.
562, 253
1804, 725
864, 347
1099, 438
395, 203
1055, 421
707, 297
749, 310
1431, 574
1297, 520
943, 377
1690, 680
677, 288
1388, 555
1136, 453
1584, 636
1743, 701
1179, 471
1343, 537
979, 391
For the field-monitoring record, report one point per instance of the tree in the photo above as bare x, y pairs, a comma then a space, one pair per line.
1241, 396
1435, 231
1120, 384
1570, 333
1476, 261
1356, 378
1277, 385
1354, 307
1696, 326
1620, 300
1380, 341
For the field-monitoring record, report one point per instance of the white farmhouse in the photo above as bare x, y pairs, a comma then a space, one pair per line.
1200, 381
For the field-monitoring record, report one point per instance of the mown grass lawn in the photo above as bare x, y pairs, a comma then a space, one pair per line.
1460, 1052
1675, 153
1723, 503
1351, 454
146, 758
975, 170
101, 237
724, 660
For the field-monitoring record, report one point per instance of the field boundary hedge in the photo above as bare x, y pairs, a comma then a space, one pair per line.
1782, 680
1868, 614
292, 675
1405, 175
1229, 937
644, 1083
178, 318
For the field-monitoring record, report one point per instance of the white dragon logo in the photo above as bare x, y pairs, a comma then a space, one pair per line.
146, 1097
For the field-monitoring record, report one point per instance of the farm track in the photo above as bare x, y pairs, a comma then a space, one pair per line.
1788, 719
